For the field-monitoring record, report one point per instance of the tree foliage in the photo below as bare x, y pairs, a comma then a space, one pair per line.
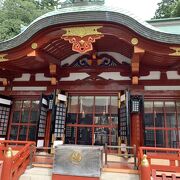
15, 14
168, 9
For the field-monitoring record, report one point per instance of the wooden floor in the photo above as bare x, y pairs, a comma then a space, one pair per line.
120, 168
119, 165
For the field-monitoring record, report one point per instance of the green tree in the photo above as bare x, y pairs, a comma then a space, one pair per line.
17, 13
48, 4
176, 11
167, 9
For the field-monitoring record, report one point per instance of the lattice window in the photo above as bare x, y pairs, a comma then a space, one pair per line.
42, 121
4, 118
60, 120
161, 121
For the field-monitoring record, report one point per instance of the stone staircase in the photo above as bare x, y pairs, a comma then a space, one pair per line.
37, 174
43, 163
46, 173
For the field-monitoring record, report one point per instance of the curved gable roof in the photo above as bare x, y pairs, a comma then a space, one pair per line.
96, 13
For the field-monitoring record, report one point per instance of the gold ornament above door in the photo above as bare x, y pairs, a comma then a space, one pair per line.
82, 38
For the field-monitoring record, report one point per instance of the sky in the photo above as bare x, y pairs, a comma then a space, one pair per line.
144, 9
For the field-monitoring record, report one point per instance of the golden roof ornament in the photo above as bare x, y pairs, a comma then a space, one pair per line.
82, 38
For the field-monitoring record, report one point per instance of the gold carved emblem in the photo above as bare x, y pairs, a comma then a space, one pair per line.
76, 157
82, 38
2, 57
177, 51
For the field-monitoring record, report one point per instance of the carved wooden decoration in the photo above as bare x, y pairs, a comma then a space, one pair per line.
82, 38
102, 60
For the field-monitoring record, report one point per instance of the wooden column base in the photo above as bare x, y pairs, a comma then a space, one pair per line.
62, 177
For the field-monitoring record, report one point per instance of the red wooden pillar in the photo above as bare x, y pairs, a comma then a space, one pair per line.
136, 129
48, 129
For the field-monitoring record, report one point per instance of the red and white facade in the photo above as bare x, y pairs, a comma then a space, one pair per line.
93, 55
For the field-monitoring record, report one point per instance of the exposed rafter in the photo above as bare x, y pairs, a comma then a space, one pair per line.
43, 57
47, 57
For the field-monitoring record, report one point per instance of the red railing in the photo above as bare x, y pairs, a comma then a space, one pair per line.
1, 167
163, 160
16, 160
163, 176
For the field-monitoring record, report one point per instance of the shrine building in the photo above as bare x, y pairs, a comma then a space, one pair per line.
91, 74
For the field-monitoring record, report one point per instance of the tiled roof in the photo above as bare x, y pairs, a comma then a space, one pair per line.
92, 13
169, 25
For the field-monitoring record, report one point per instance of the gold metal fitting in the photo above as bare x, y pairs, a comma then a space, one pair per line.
5, 82
9, 153
134, 41
135, 80
34, 45
53, 81
52, 68
144, 161
94, 56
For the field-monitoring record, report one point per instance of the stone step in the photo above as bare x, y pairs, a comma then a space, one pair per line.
46, 173
119, 176
34, 177
37, 174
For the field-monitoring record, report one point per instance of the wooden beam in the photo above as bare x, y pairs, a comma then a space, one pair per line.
52, 69
12, 68
138, 50
163, 76
43, 57
36, 57
135, 64
96, 83
47, 57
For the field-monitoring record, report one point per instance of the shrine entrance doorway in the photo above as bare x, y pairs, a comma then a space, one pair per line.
92, 120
